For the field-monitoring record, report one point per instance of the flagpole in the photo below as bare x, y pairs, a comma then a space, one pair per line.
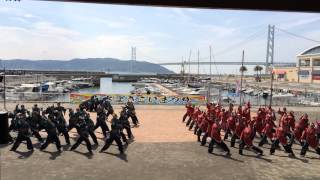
4, 87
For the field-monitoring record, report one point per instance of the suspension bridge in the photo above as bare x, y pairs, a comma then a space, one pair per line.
269, 61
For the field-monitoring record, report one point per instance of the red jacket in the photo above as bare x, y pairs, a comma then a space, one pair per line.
246, 135
268, 128
259, 124
239, 127
309, 134
292, 121
190, 110
280, 134
215, 132
300, 127
231, 123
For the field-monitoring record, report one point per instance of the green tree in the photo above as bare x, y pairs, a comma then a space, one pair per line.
243, 69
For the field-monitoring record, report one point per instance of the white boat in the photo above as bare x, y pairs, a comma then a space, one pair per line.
282, 95
193, 93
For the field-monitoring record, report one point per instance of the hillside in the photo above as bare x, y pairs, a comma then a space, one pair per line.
90, 64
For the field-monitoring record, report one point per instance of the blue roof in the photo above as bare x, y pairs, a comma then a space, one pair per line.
312, 51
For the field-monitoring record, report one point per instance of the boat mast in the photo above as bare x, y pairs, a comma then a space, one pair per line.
189, 67
198, 62
210, 63
241, 69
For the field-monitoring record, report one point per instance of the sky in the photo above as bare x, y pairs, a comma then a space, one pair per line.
40, 30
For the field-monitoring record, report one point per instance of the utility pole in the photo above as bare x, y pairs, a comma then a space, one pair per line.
4, 88
271, 87
198, 62
210, 63
241, 77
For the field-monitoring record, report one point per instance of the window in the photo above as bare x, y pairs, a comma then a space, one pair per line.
304, 62
316, 62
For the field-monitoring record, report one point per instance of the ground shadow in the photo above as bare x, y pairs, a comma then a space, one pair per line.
292, 157
24, 155
37, 145
66, 147
5, 145
120, 156
54, 155
257, 157
227, 157
87, 154
95, 146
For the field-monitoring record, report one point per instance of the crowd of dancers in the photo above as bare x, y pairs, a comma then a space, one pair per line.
239, 124
52, 120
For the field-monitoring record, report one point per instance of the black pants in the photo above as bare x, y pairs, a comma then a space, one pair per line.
226, 134
192, 124
21, 138
195, 129
204, 139
184, 117
305, 148
51, 139
110, 140
65, 133
37, 135
123, 136
276, 143
189, 121
93, 137
254, 148
199, 132
79, 141
134, 118
103, 125
233, 139
129, 132
263, 140
221, 144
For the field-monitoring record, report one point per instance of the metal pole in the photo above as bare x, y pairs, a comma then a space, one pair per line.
4, 88
210, 64
241, 77
271, 88
198, 62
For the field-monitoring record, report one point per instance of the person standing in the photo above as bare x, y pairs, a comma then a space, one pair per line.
114, 135
24, 133
52, 132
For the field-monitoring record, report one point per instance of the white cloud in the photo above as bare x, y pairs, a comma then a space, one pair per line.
300, 22
47, 41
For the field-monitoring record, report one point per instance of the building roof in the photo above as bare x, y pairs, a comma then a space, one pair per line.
311, 51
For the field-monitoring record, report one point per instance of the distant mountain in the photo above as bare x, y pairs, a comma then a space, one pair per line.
90, 64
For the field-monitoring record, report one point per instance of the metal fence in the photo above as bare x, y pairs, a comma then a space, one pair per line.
35, 97
277, 101
313, 101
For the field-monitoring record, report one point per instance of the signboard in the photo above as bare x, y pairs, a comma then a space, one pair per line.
142, 99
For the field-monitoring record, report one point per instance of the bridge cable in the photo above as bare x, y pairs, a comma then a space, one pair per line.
238, 44
297, 35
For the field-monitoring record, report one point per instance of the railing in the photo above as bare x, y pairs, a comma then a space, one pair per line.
35, 97
14, 97
276, 101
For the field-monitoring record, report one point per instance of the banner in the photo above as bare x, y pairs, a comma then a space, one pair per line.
142, 99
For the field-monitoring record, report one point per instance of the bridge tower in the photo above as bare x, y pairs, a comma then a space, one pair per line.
270, 48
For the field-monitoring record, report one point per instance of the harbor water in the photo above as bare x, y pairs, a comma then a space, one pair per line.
108, 87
